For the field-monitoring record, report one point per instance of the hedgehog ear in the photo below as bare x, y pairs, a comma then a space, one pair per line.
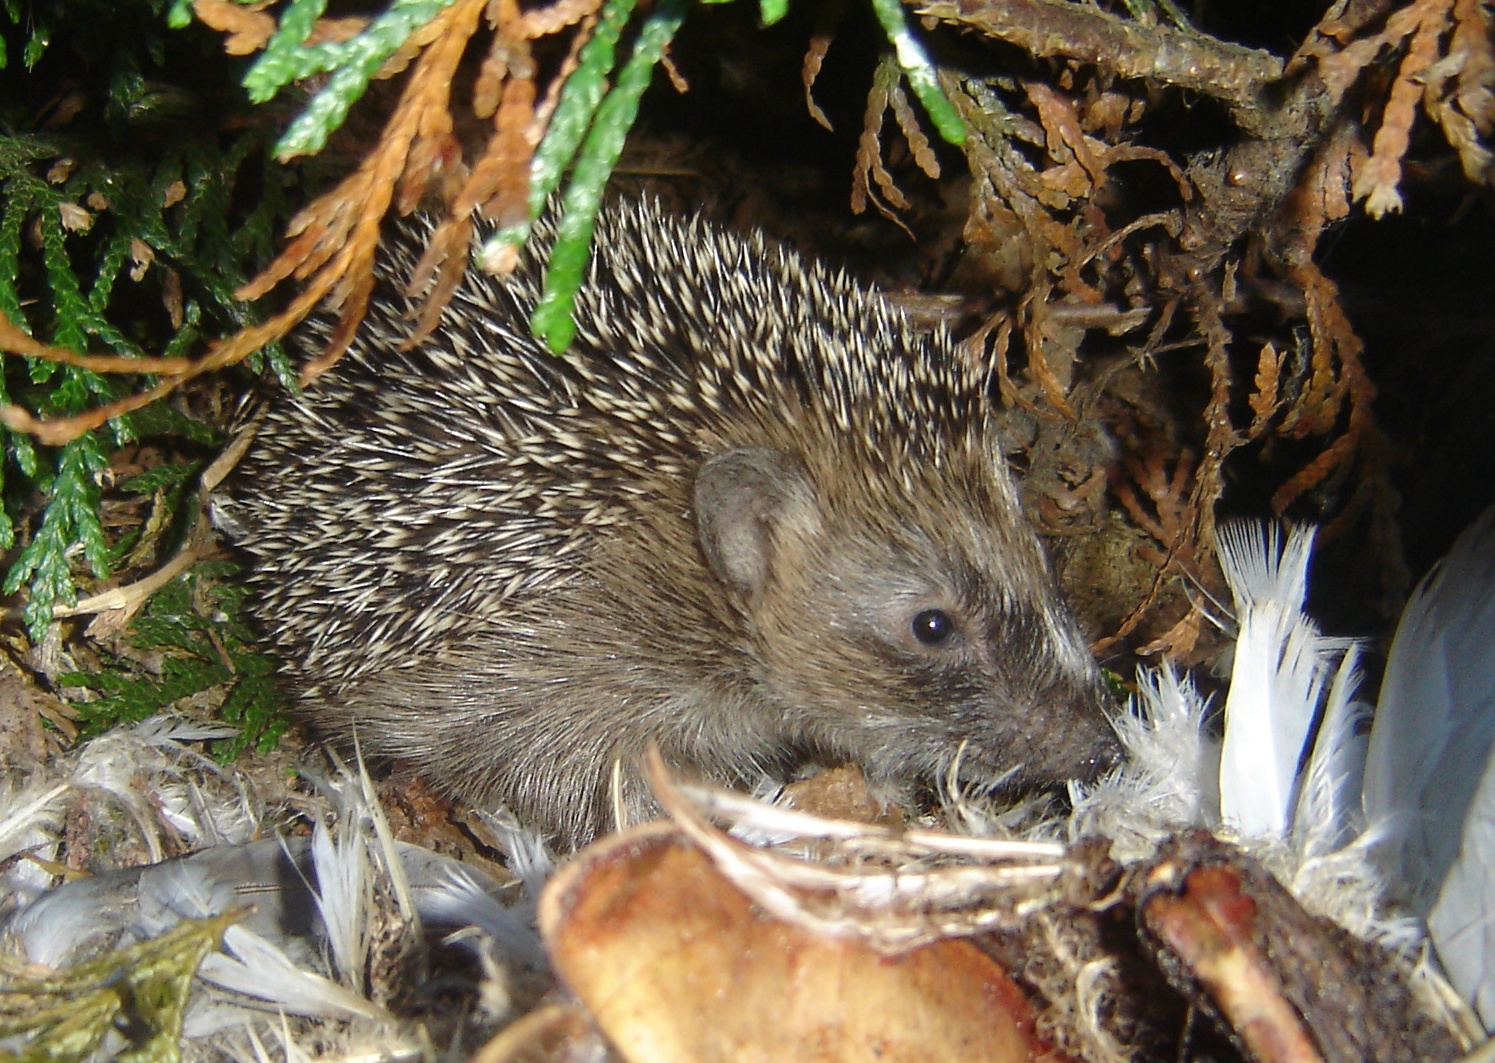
747, 500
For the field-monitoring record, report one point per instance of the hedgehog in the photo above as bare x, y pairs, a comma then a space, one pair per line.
751, 516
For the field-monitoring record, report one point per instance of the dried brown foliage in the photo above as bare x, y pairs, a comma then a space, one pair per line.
869, 169
820, 44
1313, 133
417, 158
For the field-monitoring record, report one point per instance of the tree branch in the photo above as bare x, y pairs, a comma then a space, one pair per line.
1231, 73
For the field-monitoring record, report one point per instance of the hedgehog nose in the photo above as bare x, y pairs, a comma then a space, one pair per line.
1107, 755
1090, 743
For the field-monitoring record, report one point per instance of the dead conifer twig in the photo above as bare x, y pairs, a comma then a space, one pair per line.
1228, 72
15, 341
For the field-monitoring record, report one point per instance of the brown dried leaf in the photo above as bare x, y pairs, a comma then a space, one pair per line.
1329, 181
336, 236
1106, 113
141, 257
434, 154
1012, 395
1043, 373
489, 87
1178, 642
317, 233
1377, 180
1317, 407
1168, 494
544, 21
1339, 70
1339, 453
1467, 113
821, 37
435, 151
918, 143
75, 219
678, 80
336, 30
1061, 185
445, 259
869, 151
1338, 347
17, 341
1472, 44
221, 353
352, 293
248, 26
1196, 537
1065, 139
25, 743
499, 183
676, 964
171, 296
1264, 399
61, 170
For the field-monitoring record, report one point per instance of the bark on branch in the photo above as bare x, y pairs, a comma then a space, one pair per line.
1233, 74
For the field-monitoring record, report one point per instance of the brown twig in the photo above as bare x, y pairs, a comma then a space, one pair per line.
869, 165
1231, 73
15, 341
826, 24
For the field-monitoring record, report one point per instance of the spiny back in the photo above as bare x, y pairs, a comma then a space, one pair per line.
485, 463
752, 457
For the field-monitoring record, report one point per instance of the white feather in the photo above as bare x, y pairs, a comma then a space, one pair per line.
259, 969
343, 894
1163, 736
1168, 778
1435, 722
450, 894
524, 851
312, 903
1281, 667
1462, 921
79, 919
31, 822
1430, 773
1328, 813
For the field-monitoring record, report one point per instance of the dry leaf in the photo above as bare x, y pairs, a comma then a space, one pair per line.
815, 52
248, 26
74, 218
171, 296
841, 793
141, 257
677, 966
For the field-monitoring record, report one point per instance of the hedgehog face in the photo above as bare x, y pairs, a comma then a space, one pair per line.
897, 638
916, 658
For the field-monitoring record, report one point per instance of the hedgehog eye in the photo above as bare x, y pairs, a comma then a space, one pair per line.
933, 627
